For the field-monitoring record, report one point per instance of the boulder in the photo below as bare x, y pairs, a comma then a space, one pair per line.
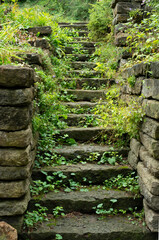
7, 232
151, 127
151, 88
133, 160
16, 76
150, 144
151, 218
151, 108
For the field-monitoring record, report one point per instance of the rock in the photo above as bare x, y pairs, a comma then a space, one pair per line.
14, 189
20, 139
151, 218
15, 97
151, 108
34, 58
151, 88
15, 173
150, 144
152, 200
7, 232
151, 183
14, 221
151, 127
45, 30
120, 18
41, 43
136, 89
123, 8
133, 160
135, 146
154, 68
14, 157
120, 39
16, 76
149, 162
114, 2
14, 118
15, 206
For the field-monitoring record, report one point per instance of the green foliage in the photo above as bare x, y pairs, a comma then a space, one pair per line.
122, 118
131, 80
37, 216
127, 183
100, 20
58, 211
58, 237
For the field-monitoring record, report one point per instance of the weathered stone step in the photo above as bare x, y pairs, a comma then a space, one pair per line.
83, 33
74, 26
80, 57
81, 38
81, 119
87, 50
88, 227
85, 134
80, 65
84, 151
68, 23
87, 95
85, 43
81, 106
84, 202
97, 174
91, 82
42, 31
84, 73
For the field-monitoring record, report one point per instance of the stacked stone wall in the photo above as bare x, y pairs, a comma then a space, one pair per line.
17, 145
144, 153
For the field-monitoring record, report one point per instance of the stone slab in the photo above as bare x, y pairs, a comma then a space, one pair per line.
15, 189
41, 43
16, 76
120, 39
150, 144
20, 139
16, 97
151, 127
133, 160
151, 88
114, 2
44, 30
151, 183
14, 221
151, 218
12, 207
123, 8
151, 108
152, 200
88, 227
14, 118
120, 18
85, 201
12, 157
15, 173
135, 146
149, 162
154, 68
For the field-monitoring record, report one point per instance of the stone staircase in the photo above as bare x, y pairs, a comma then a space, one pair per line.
81, 222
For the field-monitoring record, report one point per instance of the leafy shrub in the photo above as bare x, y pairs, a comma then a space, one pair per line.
100, 19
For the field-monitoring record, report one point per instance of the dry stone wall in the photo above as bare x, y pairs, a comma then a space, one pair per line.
17, 146
144, 153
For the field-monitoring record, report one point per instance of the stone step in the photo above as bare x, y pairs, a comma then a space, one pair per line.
81, 106
85, 134
85, 43
86, 50
84, 73
97, 174
83, 33
80, 39
81, 120
74, 26
91, 82
89, 227
80, 65
86, 95
79, 57
83, 151
78, 201
68, 23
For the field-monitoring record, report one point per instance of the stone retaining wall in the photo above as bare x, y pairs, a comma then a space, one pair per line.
17, 146
144, 154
